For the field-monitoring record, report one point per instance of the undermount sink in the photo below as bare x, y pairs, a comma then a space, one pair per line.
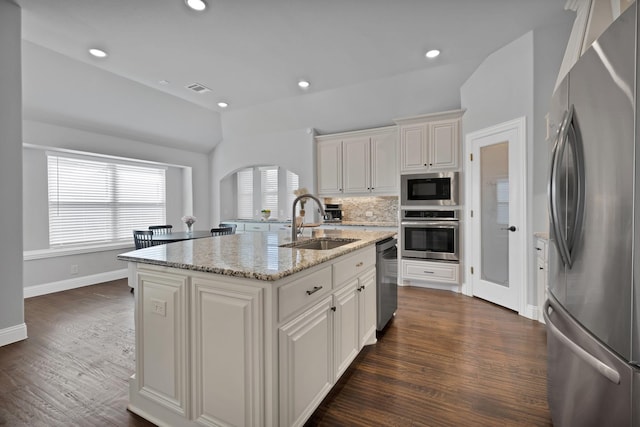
321, 244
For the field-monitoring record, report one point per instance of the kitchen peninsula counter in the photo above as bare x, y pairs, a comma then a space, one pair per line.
235, 330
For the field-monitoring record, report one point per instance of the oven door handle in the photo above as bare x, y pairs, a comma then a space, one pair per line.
432, 224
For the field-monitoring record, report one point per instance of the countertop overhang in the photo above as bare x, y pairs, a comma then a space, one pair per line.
251, 255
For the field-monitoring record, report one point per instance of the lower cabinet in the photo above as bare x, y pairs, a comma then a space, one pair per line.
216, 350
305, 362
431, 271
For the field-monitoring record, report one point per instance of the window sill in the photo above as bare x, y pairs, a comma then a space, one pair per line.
76, 250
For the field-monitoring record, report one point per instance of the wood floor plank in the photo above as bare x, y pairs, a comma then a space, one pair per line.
445, 360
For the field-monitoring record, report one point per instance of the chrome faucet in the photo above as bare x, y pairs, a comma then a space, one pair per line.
294, 226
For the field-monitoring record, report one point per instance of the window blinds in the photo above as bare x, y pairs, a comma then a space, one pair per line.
245, 194
269, 184
96, 200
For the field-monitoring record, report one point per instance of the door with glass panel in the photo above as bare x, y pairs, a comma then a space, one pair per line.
496, 215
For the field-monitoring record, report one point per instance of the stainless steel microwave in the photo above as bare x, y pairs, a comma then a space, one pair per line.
429, 189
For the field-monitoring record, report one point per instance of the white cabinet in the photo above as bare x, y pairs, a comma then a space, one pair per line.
329, 162
256, 226
214, 350
542, 269
361, 162
430, 142
226, 370
306, 374
431, 271
318, 345
367, 308
346, 316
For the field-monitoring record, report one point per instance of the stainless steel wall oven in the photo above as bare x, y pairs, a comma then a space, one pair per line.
430, 235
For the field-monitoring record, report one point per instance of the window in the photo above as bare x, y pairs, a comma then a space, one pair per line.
93, 200
292, 185
265, 187
245, 194
269, 184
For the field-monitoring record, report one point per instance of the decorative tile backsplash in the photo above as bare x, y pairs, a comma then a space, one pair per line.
382, 209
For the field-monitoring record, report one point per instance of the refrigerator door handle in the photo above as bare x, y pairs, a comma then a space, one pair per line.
552, 190
604, 369
578, 181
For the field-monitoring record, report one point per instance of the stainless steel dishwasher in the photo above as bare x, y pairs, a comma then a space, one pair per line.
386, 281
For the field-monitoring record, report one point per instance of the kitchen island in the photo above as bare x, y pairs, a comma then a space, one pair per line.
239, 331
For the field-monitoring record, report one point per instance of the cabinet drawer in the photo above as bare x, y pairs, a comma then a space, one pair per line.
302, 292
431, 271
353, 265
541, 249
256, 226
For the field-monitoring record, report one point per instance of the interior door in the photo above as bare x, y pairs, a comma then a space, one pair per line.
497, 215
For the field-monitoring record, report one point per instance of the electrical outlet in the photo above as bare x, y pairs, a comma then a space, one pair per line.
368, 213
74, 268
159, 307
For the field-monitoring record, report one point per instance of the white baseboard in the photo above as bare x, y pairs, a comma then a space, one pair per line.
76, 282
531, 312
13, 334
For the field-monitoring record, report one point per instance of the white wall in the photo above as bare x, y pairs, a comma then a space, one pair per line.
42, 271
276, 133
517, 81
12, 327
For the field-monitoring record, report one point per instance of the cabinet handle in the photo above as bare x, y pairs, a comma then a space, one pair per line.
360, 288
314, 290
360, 264
538, 249
333, 309
540, 268
429, 272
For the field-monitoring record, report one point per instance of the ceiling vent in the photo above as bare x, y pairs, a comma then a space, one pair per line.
198, 88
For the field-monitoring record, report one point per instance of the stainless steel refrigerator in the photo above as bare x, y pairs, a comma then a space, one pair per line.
591, 313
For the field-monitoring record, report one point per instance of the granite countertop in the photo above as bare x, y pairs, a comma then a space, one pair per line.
541, 235
251, 255
350, 223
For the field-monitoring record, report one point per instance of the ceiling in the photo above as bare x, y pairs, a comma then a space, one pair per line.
251, 52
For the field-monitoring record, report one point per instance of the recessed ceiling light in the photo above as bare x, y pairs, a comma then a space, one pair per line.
98, 53
432, 53
223, 104
198, 5
304, 84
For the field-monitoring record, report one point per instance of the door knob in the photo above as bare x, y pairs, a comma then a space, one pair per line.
512, 228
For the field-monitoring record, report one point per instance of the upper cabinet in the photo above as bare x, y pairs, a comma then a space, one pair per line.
430, 142
358, 163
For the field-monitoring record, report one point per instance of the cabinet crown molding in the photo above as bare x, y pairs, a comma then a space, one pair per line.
356, 132
443, 115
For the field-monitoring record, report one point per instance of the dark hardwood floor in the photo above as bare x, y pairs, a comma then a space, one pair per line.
445, 360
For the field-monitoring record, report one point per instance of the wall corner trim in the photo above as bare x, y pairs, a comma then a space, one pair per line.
13, 334
76, 282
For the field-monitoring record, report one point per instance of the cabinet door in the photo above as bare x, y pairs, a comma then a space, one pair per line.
329, 166
367, 308
346, 324
227, 353
384, 163
305, 361
356, 165
413, 148
443, 144
256, 226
